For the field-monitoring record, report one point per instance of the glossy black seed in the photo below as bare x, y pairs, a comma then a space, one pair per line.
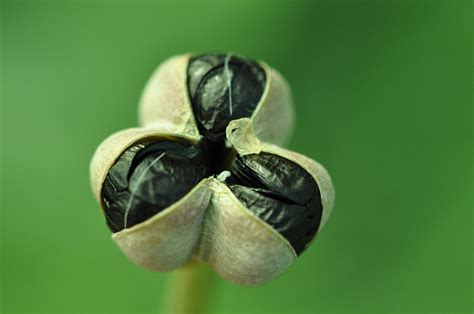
148, 178
279, 192
223, 88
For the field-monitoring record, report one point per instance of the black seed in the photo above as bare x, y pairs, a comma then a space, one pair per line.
147, 178
279, 192
209, 80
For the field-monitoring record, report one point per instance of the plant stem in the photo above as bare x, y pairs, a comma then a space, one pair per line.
190, 289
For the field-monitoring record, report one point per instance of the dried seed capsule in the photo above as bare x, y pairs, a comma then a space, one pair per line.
197, 96
199, 181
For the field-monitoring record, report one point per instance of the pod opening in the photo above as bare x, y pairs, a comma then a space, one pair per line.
147, 178
279, 192
222, 88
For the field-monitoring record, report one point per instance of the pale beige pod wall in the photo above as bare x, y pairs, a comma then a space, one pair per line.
165, 101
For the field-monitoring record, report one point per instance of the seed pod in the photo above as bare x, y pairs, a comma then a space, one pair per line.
198, 182
165, 205
199, 95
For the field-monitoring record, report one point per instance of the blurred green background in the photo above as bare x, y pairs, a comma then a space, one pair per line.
383, 94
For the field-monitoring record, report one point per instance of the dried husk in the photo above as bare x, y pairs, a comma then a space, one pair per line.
165, 100
170, 238
240, 246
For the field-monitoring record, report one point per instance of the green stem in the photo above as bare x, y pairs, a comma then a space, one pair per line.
190, 290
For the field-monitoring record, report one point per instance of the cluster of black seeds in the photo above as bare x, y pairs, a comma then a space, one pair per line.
152, 175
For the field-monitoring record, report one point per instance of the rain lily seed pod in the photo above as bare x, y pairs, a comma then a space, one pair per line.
200, 182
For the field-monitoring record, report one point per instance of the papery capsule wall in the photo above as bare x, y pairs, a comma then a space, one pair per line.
238, 245
165, 99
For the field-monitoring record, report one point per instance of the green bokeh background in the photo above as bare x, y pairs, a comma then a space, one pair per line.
383, 94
